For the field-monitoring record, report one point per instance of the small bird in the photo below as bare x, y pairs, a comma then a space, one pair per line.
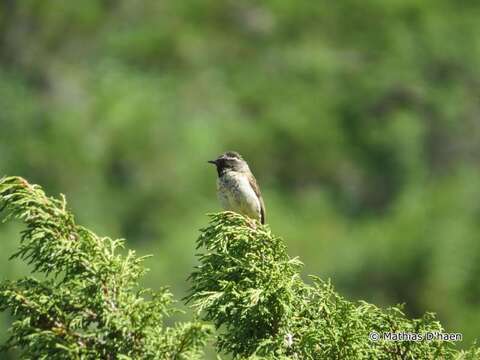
237, 188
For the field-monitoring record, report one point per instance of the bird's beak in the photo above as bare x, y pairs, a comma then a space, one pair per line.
214, 162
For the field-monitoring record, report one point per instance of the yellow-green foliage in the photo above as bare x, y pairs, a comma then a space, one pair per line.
249, 287
88, 305
358, 118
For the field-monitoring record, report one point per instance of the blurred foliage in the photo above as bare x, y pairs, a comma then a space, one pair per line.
360, 121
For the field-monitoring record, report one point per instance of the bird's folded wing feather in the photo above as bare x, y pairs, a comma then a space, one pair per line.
256, 189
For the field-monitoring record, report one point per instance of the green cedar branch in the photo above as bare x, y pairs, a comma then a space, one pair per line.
89, 304
248, 286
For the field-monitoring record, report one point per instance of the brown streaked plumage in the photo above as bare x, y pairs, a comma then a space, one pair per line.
237, 188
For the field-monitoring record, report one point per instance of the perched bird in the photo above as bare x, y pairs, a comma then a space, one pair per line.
237, 188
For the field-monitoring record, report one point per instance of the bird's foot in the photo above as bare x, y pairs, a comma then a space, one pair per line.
251, 223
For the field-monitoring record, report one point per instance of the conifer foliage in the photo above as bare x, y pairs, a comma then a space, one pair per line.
247, 285
88, 304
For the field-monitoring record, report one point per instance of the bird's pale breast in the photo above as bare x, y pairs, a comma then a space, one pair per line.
236, 194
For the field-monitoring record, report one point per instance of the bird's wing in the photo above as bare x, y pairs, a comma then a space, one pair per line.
256, 189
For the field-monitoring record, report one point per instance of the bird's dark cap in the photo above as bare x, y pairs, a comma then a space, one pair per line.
228, 154
232, 154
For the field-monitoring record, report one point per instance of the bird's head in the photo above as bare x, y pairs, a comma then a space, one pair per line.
230, 160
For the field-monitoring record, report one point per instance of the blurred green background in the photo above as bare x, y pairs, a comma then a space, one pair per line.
360, 121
